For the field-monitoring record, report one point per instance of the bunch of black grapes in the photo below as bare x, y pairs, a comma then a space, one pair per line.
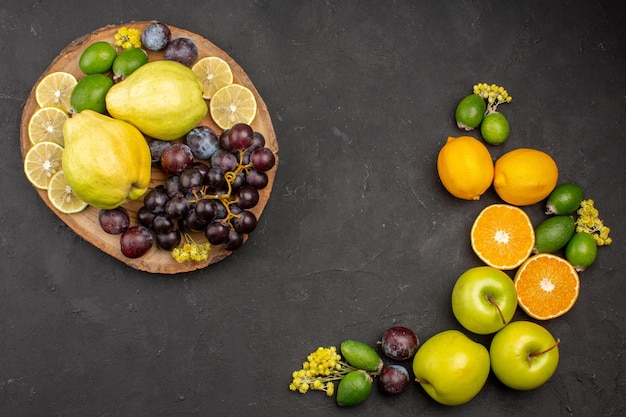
213, 182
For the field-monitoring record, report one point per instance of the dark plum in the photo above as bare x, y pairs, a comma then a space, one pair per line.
157, 147
136, 241
176, 159
399, 343
114, 221
182, 50
393, 379
156, 36
262, 159
202, 141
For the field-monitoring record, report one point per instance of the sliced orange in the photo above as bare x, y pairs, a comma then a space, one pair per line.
547, 286
502, 236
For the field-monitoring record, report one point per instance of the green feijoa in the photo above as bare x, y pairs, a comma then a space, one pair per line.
553, 233
127, 62
564, 199
354, 388
470, 112
581, 251
361, 356
97, 58
495, 128
90, 92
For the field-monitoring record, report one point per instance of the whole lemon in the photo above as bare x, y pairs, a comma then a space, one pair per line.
465, 167
525, 176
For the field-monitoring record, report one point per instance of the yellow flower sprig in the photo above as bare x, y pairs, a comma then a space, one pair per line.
128, 38
588, 221
191, 251
319, 371
494, 94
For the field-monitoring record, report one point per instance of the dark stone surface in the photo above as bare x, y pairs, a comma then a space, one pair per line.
359, 234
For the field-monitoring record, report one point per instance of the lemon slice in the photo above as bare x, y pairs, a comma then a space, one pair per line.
55, 90
62, 197
214, 73
232, 104
46, 124
41, 162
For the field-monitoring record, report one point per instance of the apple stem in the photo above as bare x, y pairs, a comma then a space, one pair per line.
533, 354
492, 301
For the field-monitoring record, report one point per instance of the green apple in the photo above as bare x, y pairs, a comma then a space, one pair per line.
484, 299
524, 355
451, 367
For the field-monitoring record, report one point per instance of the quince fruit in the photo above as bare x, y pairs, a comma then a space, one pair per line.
106, 161
163, 99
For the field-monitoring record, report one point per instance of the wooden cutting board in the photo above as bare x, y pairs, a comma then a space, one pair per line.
85, 223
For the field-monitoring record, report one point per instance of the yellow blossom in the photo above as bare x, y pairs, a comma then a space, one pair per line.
128, 38
494, 94
318, 372
589, 222
191, 251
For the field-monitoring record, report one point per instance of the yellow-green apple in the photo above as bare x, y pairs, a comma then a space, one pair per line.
524, 355
484, 299
451, 367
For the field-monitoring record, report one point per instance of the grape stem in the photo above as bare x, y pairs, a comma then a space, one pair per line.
230, 178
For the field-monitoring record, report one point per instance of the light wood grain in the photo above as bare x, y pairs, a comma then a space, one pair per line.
85, 223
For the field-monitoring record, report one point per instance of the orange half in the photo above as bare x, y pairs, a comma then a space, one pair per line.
547, 286
503, 236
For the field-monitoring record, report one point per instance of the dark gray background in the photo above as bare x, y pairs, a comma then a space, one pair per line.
358, 235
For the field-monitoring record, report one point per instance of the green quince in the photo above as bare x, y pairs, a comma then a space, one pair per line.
163, 99
106, 161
